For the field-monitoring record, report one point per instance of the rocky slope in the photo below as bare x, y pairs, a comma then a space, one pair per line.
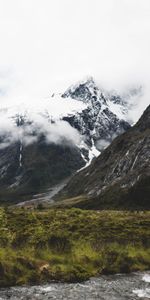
41, 146
120, 176
105, 114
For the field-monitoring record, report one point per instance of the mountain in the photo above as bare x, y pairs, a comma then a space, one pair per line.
104, 116
120, 177
42, 145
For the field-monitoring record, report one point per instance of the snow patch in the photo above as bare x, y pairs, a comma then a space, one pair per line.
118, 110
93, 152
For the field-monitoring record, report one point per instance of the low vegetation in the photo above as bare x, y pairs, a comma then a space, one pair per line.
37, 246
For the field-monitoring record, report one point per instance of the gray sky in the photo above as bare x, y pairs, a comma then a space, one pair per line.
47, 45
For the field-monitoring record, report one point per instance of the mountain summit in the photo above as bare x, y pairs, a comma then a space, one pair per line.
103, 119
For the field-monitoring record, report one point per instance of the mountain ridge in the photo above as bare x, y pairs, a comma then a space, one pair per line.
120, 176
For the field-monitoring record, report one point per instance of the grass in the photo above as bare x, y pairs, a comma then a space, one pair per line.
37, 246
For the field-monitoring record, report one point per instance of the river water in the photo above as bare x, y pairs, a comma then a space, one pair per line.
115, 287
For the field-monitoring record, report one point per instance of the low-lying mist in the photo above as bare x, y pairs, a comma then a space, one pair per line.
27, 130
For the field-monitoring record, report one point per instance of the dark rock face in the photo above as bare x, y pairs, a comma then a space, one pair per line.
42, 165
120, 176
144, 121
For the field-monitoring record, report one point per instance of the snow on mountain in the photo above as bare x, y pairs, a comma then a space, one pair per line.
84, 110
55, 107
102, 119
44, 143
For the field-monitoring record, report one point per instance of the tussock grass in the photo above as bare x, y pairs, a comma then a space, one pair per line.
37, 246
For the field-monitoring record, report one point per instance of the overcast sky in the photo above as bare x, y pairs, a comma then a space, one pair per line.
46, 45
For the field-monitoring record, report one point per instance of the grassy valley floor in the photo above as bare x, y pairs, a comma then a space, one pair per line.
37, 246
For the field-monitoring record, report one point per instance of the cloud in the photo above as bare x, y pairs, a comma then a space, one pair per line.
102, 144
62, 133
48, 45
55, 131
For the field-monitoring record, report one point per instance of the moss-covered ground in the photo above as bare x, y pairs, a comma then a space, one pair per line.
37, 246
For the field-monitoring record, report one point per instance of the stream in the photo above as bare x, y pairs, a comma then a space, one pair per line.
113, 287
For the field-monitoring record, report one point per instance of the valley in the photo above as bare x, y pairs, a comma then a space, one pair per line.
74, 192
41, 146
74, 150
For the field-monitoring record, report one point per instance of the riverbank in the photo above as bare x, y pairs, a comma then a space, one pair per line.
72, 245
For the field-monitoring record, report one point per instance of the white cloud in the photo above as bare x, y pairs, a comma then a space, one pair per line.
59, 132
44, 119
47, 45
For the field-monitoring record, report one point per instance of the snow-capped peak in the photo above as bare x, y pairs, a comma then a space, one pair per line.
97, 98
86, 91
92, 113
88, 81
